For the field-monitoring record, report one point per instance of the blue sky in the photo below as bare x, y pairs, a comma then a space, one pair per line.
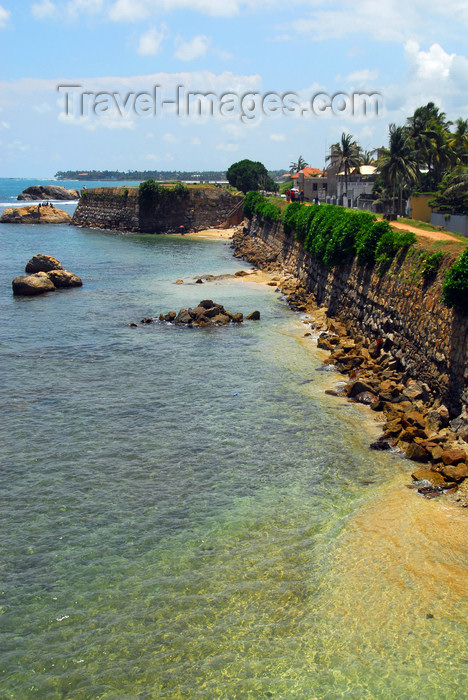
409, 53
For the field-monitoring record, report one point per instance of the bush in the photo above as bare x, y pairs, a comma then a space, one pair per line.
250, 202
290, 217
369, 238
431, 265
455, 287
256, 204
390, 243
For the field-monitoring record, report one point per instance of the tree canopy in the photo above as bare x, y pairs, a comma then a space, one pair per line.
247, 175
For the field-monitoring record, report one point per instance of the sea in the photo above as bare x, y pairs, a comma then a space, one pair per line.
186, 514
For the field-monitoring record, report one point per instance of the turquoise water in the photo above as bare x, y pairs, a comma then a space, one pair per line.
186, 514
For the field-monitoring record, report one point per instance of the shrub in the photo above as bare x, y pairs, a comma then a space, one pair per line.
369, 238
290, 217
455, 287
256, 204
431, 265
304, 220
390, 243
250, 202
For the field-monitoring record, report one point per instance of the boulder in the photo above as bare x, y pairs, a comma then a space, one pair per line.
417, 453
34, 215
38, 193
32, 285
254, 316
42, 263
456, 472
63, 279
453, 456
434, 478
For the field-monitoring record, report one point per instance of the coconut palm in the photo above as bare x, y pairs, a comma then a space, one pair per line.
398, 165
346, 155
459, 140
300, 165
367, 157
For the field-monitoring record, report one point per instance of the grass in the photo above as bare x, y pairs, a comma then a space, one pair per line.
422, 225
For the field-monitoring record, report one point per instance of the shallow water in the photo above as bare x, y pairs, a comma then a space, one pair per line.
184, 517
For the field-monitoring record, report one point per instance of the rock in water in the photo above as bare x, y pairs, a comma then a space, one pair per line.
31, 285
42, 263
254, 316
34, 215
63, 279
37, 193
46, 275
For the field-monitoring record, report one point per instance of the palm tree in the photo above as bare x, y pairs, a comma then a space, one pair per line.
459, 141
398, 165
346, 155
367, 157
300, 165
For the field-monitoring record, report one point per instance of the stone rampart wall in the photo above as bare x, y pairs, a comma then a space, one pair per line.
399, 306
117, 208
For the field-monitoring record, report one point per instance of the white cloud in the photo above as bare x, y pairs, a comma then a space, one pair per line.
387, 20
4, 16
43, 108
362, 76
189, 50
131, 10
195, 141
229, 147
170, 138
151, 41
278, 137
427, 65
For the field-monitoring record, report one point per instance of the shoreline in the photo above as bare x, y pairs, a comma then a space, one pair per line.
415, 421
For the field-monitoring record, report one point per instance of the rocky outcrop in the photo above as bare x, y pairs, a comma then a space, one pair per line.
206, 313
42, 263
39, 193
46, 275
32, 285
35, 215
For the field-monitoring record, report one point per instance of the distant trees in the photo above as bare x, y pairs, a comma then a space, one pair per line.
247, 175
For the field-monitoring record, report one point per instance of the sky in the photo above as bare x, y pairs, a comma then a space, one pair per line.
116, 84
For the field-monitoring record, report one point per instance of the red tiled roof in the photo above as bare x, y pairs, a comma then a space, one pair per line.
308, 172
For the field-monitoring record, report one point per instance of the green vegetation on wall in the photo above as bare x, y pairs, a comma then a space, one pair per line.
151, 195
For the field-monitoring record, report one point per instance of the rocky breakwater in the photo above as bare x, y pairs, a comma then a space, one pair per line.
39, 193
34, 215
44, 274
206, 313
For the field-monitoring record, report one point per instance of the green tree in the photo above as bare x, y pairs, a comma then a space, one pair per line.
346, 155
398, 167
300, 165
453, 192
247, 175
459, 141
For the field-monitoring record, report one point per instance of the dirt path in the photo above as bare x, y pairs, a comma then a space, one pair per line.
433, 235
